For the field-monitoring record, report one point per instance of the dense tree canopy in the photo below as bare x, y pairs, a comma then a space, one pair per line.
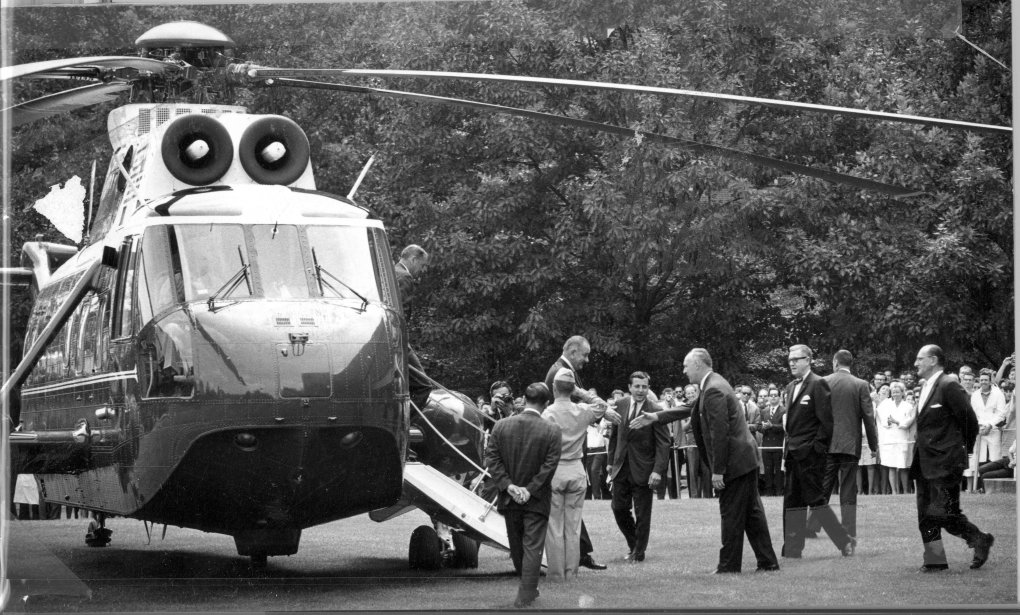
540, 231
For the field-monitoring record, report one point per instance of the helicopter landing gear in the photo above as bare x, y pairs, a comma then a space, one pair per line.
97, 535
426, 549
432, 548
259, 561
465, 552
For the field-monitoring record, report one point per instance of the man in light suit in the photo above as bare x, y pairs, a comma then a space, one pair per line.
575, 356
851, 405
637, 458
723, 438
946, 431
521, 455
808, 437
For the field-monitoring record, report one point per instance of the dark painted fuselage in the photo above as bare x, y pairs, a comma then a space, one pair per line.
247, 410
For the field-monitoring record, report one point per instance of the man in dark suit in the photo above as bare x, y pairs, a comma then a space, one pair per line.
723, 438
851, 405
772, 435
521, 456
946, 430
637, 463
574, 358
413, 260
808, 436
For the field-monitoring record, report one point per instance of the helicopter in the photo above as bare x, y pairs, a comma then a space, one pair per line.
233, 336
230, 336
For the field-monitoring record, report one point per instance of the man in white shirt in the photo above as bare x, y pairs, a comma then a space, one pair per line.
990, 407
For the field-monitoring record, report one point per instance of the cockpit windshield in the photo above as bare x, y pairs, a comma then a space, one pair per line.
231, 262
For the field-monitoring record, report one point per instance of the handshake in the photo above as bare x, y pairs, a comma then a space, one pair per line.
519, 494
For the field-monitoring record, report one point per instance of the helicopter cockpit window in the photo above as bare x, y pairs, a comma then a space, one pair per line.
211, 256
280, 261
164, 284
345, 262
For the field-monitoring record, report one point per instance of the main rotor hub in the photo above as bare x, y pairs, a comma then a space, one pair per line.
193, 42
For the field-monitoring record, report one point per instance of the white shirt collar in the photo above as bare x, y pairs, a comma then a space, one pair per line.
536, 412
567, 361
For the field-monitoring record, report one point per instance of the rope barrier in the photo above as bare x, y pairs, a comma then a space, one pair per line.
444, 439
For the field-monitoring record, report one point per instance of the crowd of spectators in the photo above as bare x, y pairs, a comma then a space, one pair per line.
895, 402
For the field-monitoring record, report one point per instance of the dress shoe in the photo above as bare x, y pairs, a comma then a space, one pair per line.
634, 557
588, 562
724, 571
929, 568
850, 547
772, 568
981, 551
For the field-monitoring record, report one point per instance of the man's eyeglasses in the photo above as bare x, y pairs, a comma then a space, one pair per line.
795, 359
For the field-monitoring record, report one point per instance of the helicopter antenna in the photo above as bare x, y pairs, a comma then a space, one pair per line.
364, 172
92, 192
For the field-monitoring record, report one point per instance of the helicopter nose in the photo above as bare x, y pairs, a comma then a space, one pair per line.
196, 151
274, 152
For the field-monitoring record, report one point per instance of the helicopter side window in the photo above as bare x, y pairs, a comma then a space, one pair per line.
210, 256
122, 303
89, 346
345, 262
280, 261
164, 282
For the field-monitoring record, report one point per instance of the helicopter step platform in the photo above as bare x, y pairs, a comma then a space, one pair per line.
449, 502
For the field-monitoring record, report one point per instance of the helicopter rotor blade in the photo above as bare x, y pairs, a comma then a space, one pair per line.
267, 72
94, 67
701, 148
62, 102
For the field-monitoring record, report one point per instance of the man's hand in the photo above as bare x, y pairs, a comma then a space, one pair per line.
717, 481
984, 430
654, 479
642, 420
612, 416
519, 494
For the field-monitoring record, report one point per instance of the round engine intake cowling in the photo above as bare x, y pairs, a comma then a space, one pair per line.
197, 149
274, 150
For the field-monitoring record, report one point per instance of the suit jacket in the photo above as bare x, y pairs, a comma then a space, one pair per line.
524, 450
645, 450
808, 419
752, 413
946, 431
851, 404
720, 430
772, 436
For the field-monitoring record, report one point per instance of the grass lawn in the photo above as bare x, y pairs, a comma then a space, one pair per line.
358, 564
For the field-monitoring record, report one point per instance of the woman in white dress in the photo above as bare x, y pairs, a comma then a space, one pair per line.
895, 417
881, 484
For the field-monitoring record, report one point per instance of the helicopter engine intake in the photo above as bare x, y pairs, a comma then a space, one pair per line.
197, 149
274, 150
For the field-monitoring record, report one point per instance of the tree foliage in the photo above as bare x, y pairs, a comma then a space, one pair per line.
540, 231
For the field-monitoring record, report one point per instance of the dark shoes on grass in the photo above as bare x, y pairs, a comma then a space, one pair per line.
984, 544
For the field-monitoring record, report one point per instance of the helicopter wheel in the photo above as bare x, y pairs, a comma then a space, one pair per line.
259, 561
426, 549
465, 551
97, 535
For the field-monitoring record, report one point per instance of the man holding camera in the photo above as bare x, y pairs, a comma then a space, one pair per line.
502, 405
